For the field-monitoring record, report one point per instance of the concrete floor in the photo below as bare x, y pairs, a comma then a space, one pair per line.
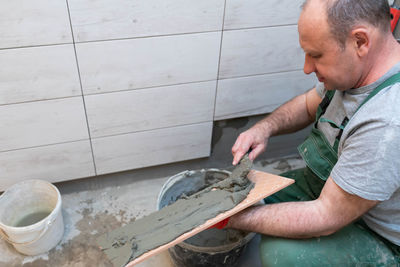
96, 205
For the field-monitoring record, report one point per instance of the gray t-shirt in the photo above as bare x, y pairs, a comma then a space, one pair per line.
369, 150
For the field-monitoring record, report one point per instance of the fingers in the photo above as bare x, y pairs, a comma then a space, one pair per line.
237, 157
241, 146
238, 152
236, 146
246, 140
256, 152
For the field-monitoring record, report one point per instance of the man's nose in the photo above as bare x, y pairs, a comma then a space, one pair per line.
309, 66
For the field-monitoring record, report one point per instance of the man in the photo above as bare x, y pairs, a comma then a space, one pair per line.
344, 209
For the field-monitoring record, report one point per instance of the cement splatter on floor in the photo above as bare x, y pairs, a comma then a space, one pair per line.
87, 215
81, 248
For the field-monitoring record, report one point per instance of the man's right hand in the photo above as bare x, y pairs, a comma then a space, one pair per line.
255, 138
291, 116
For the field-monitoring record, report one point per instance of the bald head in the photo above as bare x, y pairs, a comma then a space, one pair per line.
343, 15
313, 22
347, 43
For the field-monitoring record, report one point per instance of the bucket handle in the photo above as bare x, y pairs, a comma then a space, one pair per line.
44, 230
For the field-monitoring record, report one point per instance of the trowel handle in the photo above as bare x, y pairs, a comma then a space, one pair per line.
220, 225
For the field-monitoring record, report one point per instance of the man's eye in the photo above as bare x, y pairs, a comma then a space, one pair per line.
315, 56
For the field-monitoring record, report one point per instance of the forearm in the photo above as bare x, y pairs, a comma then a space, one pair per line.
334, 209
291, 220
290, 117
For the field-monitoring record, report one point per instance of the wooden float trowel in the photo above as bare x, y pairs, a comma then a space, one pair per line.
265, 184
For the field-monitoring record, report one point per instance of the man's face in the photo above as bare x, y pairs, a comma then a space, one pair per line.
336, 67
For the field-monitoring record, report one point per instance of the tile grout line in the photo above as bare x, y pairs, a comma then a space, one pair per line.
33, 46
219, 63
154, 129
80, 82
151, 87
110, 135
260, 74
187, 33
43, 145
261, 27
141, 37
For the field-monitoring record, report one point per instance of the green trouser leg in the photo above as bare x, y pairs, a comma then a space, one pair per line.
354, 245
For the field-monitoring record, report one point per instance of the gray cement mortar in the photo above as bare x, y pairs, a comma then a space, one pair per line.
94, 206
131, 241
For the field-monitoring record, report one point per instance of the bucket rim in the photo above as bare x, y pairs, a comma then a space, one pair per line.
215, 249
33, 227
175, 177
218, 249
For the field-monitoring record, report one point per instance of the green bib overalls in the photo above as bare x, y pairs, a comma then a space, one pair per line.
355, 244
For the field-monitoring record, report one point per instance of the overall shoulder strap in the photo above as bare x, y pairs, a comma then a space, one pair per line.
324, 103
390, 81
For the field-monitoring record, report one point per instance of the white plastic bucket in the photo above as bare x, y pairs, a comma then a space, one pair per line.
30, 216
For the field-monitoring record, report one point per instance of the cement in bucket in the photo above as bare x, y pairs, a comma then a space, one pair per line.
30, 216
211, 247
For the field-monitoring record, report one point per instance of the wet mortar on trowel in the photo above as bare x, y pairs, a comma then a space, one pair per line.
124, 244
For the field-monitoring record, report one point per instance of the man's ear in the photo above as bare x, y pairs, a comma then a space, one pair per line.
361, 41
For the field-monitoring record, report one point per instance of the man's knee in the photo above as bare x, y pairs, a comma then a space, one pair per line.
351, 246
283, 252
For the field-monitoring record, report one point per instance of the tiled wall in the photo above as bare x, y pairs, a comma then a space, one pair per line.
93, 87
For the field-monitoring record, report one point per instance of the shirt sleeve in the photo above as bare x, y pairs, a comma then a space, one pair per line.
368, 165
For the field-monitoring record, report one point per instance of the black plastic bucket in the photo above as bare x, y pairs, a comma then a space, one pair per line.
211, 247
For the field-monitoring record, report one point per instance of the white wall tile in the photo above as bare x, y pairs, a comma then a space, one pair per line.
114, 19
260, 13
52, 163
131, 64
41, 123
254, 95
171, 119
38, 73
152, 108
26, 23
260, 51
149, 148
